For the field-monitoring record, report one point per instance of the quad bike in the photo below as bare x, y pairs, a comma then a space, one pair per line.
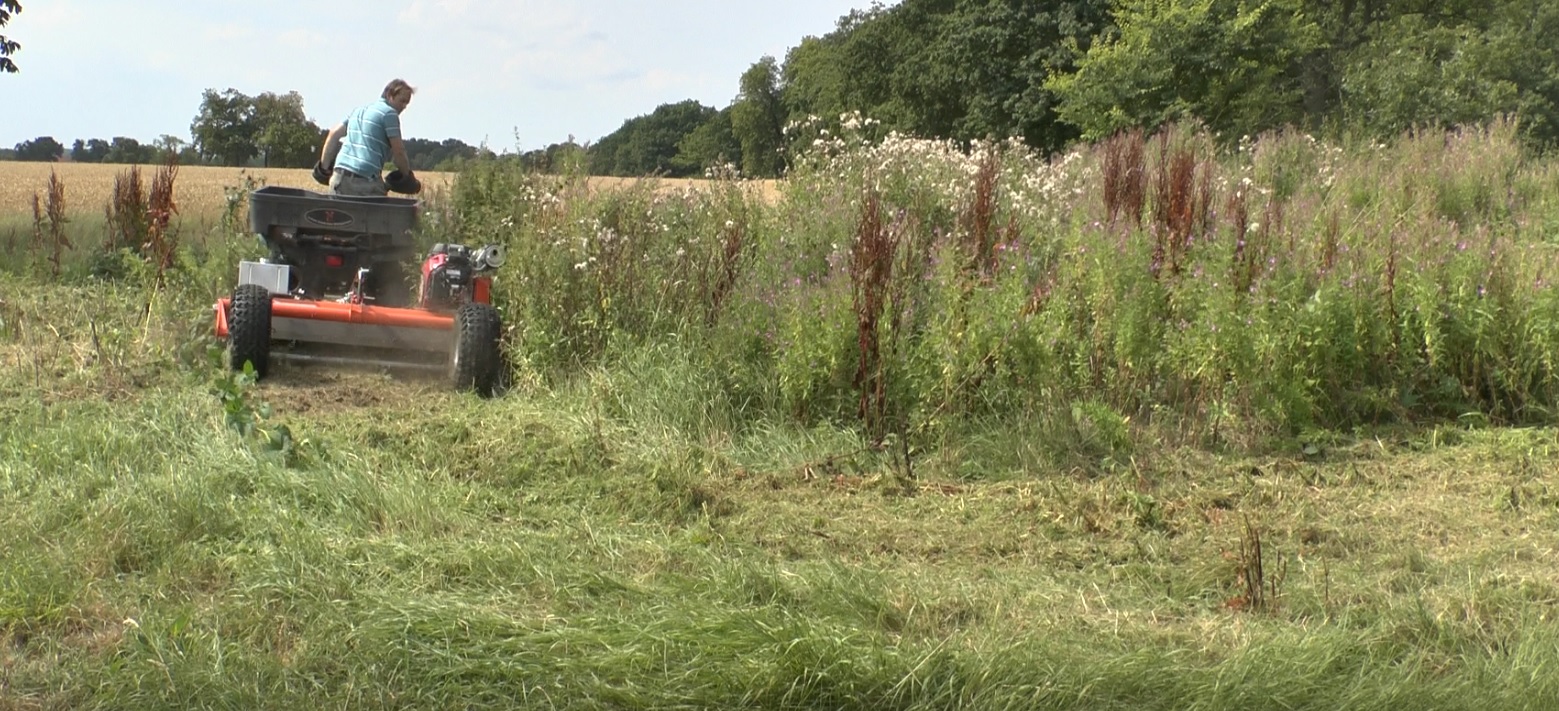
334, 291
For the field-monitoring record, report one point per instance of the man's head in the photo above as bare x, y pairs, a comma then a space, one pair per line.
398, 94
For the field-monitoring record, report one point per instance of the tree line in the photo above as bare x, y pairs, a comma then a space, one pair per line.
1051, 72
96, 150
272, 130
234, 129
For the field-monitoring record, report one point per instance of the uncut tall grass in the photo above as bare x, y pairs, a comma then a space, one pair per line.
1164, 285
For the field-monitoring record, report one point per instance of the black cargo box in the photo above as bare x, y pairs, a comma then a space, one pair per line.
292, 210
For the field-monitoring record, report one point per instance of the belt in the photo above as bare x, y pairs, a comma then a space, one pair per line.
346, 172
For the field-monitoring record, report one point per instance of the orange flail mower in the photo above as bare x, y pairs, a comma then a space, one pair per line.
335, 290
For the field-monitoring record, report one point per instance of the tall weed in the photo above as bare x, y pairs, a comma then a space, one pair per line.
1195, 294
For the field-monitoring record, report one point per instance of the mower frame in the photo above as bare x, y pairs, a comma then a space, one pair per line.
332, 292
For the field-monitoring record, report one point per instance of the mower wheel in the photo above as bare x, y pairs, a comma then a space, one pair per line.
249, 328
477, 359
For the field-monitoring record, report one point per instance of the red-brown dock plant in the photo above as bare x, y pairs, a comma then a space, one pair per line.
1125, 176
49, 219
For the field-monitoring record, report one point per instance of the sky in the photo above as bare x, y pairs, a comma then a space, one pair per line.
513, 74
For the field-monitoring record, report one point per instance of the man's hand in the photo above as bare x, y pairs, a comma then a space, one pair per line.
403, 182
322, 173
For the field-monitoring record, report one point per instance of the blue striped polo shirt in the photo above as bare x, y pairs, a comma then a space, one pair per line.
366, 147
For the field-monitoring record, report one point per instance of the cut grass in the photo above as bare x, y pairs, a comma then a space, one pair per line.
616, 542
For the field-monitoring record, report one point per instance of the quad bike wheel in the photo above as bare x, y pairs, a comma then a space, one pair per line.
477, 359
249, 328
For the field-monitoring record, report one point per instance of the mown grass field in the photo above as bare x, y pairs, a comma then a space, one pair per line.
652, 525
568, 548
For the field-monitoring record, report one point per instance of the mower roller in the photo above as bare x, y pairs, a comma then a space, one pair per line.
334, 290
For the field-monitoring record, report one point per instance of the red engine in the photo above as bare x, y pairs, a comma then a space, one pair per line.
454, 274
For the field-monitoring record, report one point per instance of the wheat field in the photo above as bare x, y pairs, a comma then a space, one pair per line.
200, 191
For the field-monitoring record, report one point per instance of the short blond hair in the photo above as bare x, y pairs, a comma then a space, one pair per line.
395, 87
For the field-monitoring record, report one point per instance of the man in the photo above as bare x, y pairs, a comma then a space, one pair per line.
358, 147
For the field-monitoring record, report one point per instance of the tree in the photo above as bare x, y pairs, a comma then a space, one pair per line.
121, 150
917, 84
709, 145
758, 119
8, 46
1419, 69
284, 135
429, 155
565, 158
43, 148
814, 78
93, 150
128, 151
888, 63
1521, 50
97, 151
1235, 65
1413, 72
961, 69
647, 145
225, 129
1001, 52
168, 146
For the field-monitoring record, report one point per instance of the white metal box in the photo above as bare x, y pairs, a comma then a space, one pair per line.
273, 277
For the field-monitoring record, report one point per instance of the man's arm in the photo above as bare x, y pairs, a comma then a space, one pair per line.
327, 152
398, 153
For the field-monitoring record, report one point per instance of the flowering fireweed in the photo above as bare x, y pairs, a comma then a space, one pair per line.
1150, 284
